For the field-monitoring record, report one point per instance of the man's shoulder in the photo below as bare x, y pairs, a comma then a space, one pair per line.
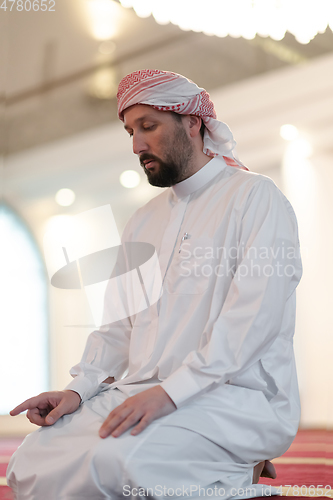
251, 182
250, 178
262, 191
244, 185
255, 189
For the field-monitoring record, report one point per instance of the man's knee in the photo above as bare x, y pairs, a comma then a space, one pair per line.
109, 462
18, 465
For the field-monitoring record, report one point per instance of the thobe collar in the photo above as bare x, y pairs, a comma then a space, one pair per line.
199, 179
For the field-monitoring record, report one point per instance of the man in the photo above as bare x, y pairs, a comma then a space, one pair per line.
210, 391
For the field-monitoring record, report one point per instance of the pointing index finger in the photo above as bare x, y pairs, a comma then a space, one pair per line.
26, 405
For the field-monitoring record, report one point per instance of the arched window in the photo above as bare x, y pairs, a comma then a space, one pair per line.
23, 314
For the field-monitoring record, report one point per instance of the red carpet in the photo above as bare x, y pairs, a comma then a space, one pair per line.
307, 466
305, 470
7, 448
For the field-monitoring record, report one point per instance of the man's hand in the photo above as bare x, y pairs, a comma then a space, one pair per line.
48, 407
143, 408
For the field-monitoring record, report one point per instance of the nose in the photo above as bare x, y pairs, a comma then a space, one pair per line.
139, 144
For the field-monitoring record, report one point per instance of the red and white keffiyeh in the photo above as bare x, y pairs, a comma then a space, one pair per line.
167, 91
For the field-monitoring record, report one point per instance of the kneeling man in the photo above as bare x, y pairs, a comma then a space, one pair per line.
196, 393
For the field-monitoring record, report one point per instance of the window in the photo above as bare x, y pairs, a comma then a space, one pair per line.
24, 314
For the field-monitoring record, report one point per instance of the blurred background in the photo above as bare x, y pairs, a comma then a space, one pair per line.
268, 66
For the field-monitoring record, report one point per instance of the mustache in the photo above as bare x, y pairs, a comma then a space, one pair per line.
146, 156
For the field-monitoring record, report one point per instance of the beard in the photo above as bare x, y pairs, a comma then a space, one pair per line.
178, 152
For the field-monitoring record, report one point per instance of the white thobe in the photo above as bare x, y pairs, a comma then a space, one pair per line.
220, 338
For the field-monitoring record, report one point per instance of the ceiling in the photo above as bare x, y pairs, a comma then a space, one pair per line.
53, 73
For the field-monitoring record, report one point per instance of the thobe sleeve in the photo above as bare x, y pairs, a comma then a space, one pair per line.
105, 355
267, 272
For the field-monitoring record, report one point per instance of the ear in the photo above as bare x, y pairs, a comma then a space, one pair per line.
194, 125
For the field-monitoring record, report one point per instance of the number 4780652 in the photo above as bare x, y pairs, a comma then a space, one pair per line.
27, 5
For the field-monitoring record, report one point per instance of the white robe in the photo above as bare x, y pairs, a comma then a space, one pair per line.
219, 341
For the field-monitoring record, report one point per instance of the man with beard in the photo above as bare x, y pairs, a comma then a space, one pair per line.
177, 150
200, 388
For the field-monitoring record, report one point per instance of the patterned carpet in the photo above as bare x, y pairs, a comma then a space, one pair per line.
305, 470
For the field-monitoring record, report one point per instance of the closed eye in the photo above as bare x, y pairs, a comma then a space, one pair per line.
151, 127
145, 129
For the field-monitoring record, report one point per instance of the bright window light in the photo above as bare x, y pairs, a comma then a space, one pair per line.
60, 225
130, 179
289, 132
104, 18
246, 18
300, 148
65, 197
24, 324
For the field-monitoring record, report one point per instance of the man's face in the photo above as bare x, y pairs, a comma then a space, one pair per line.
164, 149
